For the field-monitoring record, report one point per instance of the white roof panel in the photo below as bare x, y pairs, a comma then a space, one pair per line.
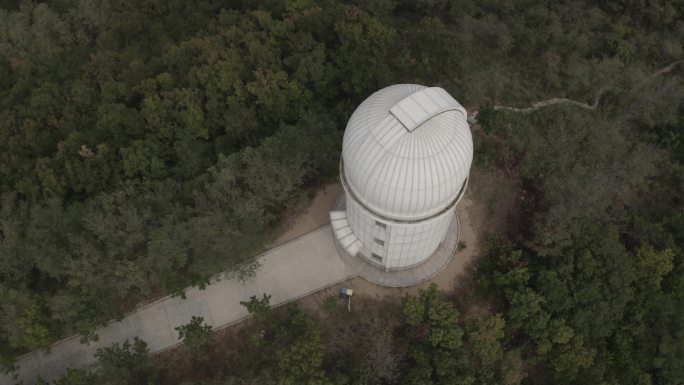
416, 108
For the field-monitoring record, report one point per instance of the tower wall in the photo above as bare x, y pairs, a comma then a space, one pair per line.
396, 245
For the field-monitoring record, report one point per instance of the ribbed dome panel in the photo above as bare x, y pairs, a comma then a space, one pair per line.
400, 174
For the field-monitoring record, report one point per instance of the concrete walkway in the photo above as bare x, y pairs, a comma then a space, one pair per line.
288, 272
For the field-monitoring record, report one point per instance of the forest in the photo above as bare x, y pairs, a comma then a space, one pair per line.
146, 146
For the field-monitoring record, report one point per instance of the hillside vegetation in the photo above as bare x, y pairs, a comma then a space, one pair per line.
146, 146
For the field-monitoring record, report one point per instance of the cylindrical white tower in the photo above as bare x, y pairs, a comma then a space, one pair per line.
406, 156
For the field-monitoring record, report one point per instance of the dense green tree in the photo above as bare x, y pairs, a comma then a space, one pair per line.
125, 363
435, 357
586, 307
441, 351
259, 308
300, 360
365, 43
485, 337
195, 334
75, 377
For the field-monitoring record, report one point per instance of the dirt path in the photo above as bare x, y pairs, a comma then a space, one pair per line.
472, 118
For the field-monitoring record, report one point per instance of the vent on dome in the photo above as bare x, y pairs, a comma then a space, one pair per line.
415, 109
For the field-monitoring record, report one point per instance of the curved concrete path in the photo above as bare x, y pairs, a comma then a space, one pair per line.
288, 272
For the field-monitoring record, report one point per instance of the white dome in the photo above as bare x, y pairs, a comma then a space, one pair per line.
407, 151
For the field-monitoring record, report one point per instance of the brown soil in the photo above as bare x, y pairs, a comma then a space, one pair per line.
499, 197
313, 216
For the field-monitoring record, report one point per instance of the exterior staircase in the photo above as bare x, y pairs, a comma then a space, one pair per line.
346, 238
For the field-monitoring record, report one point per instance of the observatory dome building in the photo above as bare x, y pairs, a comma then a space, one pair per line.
406, 157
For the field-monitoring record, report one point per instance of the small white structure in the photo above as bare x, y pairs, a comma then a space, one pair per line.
406, 157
